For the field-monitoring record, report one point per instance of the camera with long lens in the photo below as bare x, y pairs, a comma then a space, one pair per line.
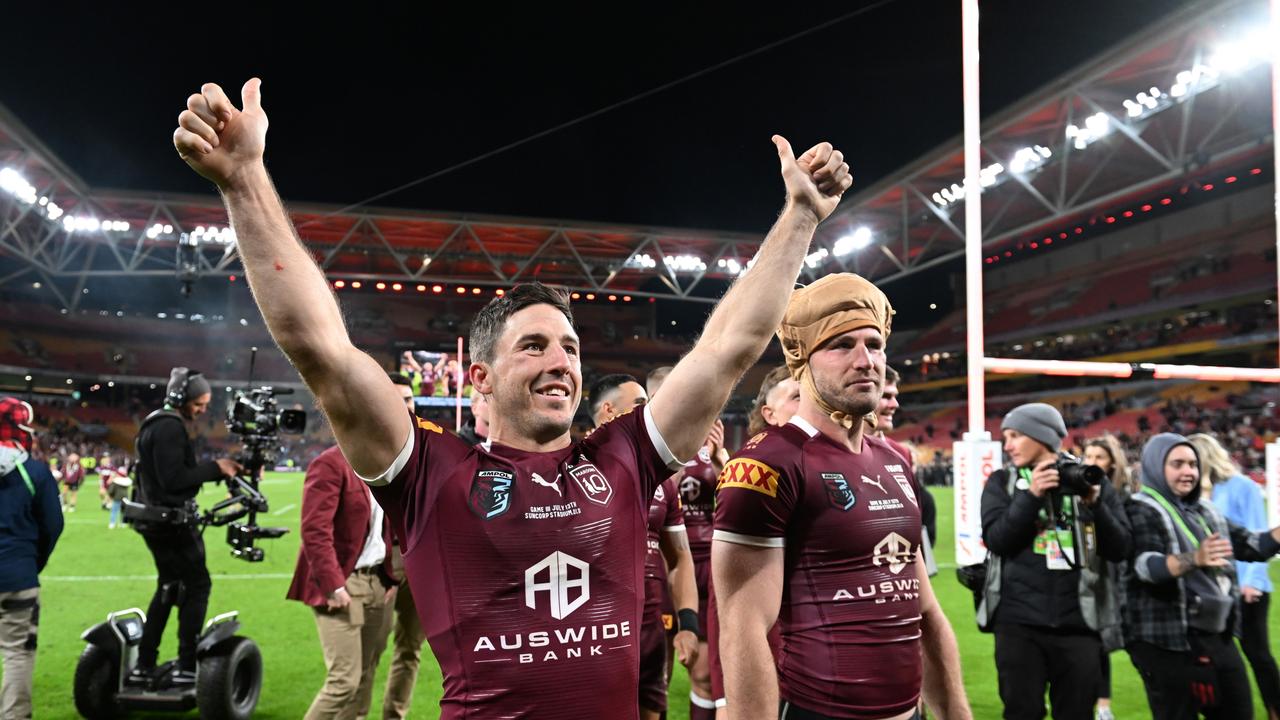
255, 416
1075, 477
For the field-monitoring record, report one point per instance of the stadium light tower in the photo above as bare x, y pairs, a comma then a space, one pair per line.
976, 456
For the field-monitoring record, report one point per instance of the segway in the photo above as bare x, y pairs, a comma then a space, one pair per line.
228, 672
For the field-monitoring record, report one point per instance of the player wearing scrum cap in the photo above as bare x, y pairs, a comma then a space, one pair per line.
825, 510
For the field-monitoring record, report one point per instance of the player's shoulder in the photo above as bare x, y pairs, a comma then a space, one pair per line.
886, 451
777, 450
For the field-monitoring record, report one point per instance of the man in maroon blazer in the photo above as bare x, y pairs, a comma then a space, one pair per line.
344, 574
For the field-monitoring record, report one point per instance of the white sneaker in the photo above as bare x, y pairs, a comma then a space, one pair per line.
1103, 713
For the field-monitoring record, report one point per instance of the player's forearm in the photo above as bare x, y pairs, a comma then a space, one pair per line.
684, 587
750, 677
943, 686
289, 289
746, 318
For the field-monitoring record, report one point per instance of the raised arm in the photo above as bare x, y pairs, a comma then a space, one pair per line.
225, 145
748, 315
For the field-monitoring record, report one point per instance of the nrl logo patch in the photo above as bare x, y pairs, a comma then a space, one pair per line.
838, 490
491, 493
593, 483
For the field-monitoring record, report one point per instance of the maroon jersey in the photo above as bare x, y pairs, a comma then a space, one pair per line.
850, 527
665, 515
526, 567
697, 482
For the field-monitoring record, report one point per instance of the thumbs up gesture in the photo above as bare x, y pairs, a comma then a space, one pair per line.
218, 140
815, 180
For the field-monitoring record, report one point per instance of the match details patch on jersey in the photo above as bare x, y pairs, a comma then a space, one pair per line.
749, 474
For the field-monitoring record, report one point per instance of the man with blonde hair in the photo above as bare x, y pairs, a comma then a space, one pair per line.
821, 507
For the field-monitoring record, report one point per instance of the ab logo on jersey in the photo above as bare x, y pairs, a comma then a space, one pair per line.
894, 551
491, 493
749, 474
838, 490
593, 483
558, 584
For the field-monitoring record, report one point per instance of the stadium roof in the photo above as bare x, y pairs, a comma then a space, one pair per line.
1209, 109
1175, 106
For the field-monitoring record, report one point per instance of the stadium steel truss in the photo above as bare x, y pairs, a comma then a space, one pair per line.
1186, 98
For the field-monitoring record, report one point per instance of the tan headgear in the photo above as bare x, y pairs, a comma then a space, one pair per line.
833, 305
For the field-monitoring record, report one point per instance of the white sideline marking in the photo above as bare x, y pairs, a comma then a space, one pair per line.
285, 509
117, 578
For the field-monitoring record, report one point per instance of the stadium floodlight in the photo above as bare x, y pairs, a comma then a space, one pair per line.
856, 240
641, 261
684, 263
814, 259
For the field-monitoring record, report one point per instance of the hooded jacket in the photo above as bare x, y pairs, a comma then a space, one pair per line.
1160, 608
30, 519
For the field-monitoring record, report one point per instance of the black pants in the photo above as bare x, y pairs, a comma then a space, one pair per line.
1209, 680
1253, 640
1029, 658
1104, 676
183, 581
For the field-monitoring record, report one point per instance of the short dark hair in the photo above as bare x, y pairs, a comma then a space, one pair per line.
489, 322
399, 379
891, 376
602, 387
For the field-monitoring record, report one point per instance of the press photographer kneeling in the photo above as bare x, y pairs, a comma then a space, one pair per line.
1048, 522
164, 512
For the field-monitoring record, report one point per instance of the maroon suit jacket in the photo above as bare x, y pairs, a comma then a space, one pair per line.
335, 520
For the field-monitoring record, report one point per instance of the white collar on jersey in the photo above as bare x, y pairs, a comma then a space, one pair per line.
804, 425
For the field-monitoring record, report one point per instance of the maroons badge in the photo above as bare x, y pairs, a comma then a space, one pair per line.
838, 490
491, 493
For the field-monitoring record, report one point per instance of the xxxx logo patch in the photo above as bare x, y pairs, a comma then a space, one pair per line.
749, 474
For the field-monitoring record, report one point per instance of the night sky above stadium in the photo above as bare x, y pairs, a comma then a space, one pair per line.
363, 101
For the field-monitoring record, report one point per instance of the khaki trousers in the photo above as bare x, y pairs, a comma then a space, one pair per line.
353, 640
19, 616
406, 649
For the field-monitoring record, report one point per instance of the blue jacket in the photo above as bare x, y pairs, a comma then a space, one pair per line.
30, 520
1240, 499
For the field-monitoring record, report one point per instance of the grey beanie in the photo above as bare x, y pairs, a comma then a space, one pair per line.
184, 385
1038, 421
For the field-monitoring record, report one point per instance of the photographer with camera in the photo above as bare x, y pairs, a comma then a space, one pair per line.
163, 511
1049, 523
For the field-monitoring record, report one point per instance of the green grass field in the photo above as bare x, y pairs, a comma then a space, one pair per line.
96, 570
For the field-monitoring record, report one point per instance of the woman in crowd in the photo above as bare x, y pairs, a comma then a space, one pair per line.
1240, 499
1107, 453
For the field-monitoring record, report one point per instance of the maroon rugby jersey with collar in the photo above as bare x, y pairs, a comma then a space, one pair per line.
697, 482
850, 527
526, 567
664, 515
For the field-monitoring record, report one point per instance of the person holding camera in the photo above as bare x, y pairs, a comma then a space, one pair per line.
1049, 523
1181, 592
169, 478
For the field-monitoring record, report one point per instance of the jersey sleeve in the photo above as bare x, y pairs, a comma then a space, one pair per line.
756, 495
673, 517
634, 440
400, 486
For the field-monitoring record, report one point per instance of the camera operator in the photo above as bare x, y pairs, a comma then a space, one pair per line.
1049, 523
168, 480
